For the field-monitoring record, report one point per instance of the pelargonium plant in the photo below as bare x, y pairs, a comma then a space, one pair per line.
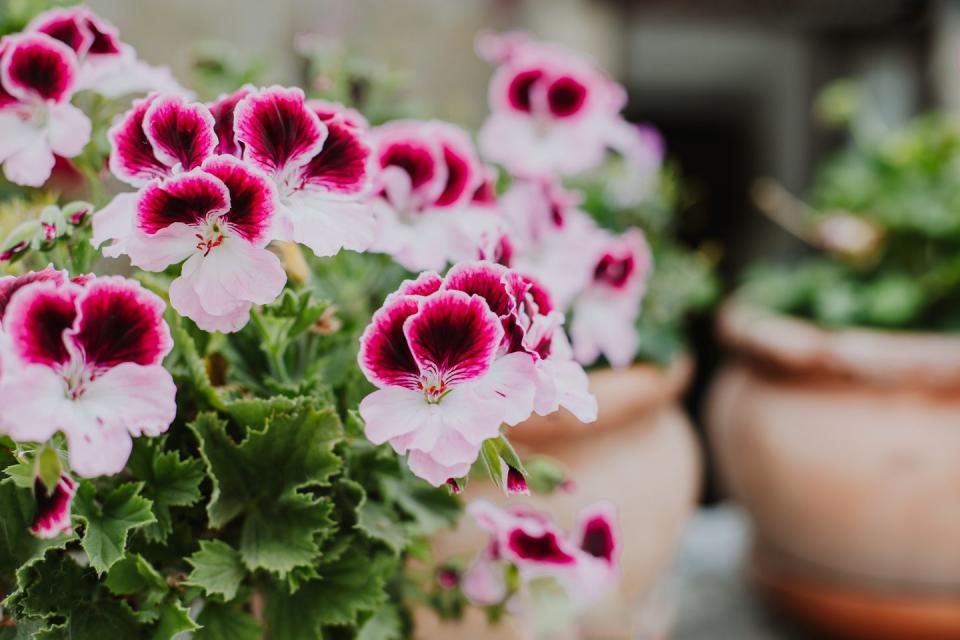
229, 409
882, 216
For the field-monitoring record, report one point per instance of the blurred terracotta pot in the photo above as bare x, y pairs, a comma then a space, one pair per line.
844, 447
642, 455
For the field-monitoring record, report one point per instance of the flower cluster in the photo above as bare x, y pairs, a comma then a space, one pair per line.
430, 188
83, 357
455, 357
61, 52
217, 183
584, 563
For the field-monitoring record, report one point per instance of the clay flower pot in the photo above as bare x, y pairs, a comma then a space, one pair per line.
642, 455
844, 447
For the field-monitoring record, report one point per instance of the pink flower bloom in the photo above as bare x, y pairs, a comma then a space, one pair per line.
53, 508
217, 219
38, 76
550, 109
454, 358
605, 313
318, 165
84, 358
427, 175
107, 65
551, 237
584, 564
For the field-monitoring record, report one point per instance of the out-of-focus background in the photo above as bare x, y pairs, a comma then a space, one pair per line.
729, 83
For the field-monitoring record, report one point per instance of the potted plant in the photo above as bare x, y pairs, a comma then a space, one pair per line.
586, 206
254, 423
833, 424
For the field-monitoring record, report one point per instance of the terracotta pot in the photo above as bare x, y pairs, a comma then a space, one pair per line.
642, 455
844, 447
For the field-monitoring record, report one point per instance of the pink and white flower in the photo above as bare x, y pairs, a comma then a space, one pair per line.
456, 357
605, 312
584, 563
106, 65
38, 76
551, 110
53, 508
635, 175
427, 174
83, 357
316, 154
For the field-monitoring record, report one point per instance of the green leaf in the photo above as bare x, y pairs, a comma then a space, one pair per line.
174, 619
133, 574
217, 569
385, 624
168, 481
17, 544
490, 454
381, 523
265, 477
432, 509
22, 474
48, 467
352, 585
109, 521
222, 622
54, 586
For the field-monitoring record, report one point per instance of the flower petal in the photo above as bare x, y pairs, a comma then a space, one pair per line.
190, 198
484, 279
454, 336
277, 130
393, 412
510, 384
426, 283
9, 285
36, 319
53, 509
69, 130
66, 24
97, 450
223, 109
119, 321
33, 400
385, 355
597, 532
132, 156
37, 68
185, 299
32, 165
465, 173
424, 466
139, 398
237, 272
180, 133
327, 225
340, 167
251, 196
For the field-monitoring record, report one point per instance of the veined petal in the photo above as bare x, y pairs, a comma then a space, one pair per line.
53, 509
597, 532
190, 198
484, 279
37, 68
393, 412
139, 398
36, 319
327, 225
510, 385
185, 299
238, 272
327, 110
223, 109
385, 356
465, 173
118, 321
544, 548
407, 148
132, 156
251, 195
455, 336
66, 24
277, 130
340, 167
180, 133
9, 285
426, 283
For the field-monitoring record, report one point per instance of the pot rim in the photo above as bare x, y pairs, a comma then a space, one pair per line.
873, 356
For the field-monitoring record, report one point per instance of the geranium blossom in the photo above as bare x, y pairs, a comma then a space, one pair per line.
53, 508
316, 156
83, 357
38, 76
551, 110
106, 65
584, 563
456, 357
634, 177
214, 213
605, 312
427, 174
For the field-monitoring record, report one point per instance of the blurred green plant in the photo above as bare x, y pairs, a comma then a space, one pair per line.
885, 215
